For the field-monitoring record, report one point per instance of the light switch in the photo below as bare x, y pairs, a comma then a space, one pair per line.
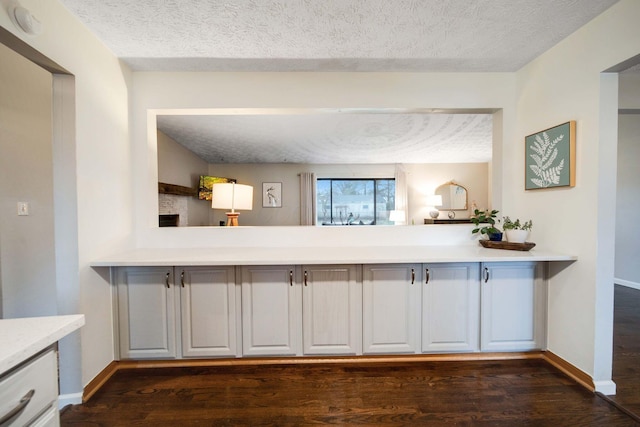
23, 208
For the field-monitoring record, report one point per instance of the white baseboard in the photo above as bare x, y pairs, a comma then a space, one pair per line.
627, 283
69, 399
605, 387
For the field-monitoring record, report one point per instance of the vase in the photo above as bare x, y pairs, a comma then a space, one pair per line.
517, 236
495, 237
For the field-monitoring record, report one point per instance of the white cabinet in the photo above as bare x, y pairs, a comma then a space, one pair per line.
156, 312
146, 312
450, 307
513, 306
332, 310
271, 315
289, 310
391, 308
29, 394
208, 311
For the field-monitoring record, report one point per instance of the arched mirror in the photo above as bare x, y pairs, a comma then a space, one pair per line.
454, 197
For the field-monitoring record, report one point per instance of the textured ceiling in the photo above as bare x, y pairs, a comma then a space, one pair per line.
334, 138
332, 35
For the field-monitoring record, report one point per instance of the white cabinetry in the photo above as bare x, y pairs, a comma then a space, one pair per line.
513, 306
29, 394
293, 310
450, 307
391, 308
332, 310
155, 312
271, 315
208, 311
146, 312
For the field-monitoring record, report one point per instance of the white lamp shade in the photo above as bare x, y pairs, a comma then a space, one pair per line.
434, 200
231, 196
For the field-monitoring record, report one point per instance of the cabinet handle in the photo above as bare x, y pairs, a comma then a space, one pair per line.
413, 276
19, 407
166, 279
486, 275
182, 278
426, 273
290, 277
305, 277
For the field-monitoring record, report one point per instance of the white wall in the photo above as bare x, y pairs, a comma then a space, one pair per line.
27, 250
179, 166
423, 179
103, 167
629, 90
627, 268
564, 84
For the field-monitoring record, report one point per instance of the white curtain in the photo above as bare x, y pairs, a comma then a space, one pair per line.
307, 198
401, 192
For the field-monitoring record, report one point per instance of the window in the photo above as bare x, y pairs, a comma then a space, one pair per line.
355, 201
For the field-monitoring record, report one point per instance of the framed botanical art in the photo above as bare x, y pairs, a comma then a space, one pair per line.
271, 194
550, 157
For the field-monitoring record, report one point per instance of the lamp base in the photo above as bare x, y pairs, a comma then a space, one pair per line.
434, 214
232, 219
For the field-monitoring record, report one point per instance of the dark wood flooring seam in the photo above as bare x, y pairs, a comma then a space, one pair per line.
618, 406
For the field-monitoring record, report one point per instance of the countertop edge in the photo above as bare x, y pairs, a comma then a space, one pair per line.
321, 255
28, 336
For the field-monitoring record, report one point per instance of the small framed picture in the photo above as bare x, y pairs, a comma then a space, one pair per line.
271, 194
550, 157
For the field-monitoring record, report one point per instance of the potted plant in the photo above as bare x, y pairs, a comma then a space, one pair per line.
516, 232
485, 222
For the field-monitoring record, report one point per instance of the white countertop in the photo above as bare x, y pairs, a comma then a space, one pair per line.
22, 338
322, 255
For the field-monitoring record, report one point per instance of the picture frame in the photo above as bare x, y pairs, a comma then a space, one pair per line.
550, 157
206, 183
271, 194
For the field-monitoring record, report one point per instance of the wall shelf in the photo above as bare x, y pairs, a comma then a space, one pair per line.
447, 221
177, 190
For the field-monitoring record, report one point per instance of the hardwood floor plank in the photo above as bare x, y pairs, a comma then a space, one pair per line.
522, 392
626, 348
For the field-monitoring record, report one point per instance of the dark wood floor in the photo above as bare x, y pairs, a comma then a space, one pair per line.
477, 393
626, 348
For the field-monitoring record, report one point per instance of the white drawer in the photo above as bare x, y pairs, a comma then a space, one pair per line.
51, 418
39, 375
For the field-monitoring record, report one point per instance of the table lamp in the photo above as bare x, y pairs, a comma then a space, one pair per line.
230, 195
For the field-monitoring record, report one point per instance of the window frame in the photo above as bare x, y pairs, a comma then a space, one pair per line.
335, 221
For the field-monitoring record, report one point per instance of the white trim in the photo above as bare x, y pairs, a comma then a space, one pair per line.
69, 399
627, 283
606, 387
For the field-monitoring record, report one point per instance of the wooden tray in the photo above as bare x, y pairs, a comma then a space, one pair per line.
507, 245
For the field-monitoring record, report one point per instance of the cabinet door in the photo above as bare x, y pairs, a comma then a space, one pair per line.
332, 310
450, 307
271, 317
391, 308
513, 306
146, 312
208, 311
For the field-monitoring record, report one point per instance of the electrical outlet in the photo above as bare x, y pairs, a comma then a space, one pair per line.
23, 208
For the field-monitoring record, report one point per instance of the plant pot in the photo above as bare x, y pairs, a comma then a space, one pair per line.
517, 236
495, 237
